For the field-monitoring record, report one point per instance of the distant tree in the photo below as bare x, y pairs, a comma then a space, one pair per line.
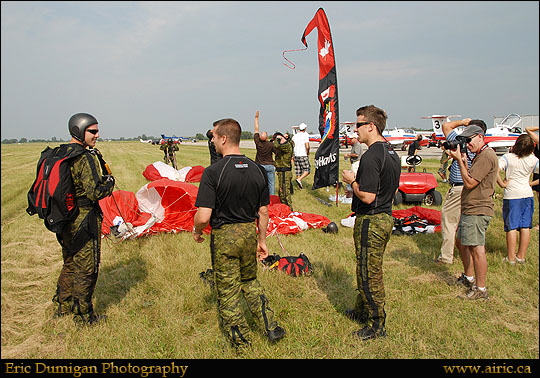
23, 140
246, 135
199, 136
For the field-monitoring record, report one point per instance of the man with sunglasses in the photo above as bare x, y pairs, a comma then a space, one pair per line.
476, 207
81, 239
374, 187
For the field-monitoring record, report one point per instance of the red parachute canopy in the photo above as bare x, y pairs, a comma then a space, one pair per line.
169, 206
160, 206
160, 170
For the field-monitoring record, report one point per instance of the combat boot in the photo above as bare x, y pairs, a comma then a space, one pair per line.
62, 308
367, 333
89, 319
275, 334
354, 316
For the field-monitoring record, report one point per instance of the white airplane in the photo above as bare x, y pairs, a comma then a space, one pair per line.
502, 136
399, 136
393, 136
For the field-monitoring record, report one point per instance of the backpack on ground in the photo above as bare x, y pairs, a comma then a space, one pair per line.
292, 265
52, 195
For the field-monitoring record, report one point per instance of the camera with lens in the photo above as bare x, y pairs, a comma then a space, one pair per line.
452, 145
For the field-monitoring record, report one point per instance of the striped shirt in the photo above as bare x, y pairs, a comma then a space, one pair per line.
455, 173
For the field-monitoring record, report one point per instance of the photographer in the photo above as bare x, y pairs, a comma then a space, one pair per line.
451, 210
476, 206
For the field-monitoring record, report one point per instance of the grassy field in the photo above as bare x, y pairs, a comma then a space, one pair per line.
158, 308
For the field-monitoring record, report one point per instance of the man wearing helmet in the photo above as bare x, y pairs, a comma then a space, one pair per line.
80, 239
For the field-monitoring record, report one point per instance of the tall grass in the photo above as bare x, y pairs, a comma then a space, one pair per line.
158, 307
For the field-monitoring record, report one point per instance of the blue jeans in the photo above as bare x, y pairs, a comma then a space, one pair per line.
270, 170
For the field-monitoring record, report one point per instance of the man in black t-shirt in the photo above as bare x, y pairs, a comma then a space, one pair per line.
374, 186
233, 198
414, 147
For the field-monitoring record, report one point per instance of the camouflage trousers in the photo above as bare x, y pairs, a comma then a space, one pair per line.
79, 274
285, 187
234, 261
371, 234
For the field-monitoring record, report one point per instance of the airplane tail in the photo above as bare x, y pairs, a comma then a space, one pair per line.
437, 122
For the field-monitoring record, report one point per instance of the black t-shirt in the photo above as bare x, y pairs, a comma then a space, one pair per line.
378, 173
235, 187
413, 147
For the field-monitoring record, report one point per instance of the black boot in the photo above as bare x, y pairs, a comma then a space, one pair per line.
276, 334
62, 308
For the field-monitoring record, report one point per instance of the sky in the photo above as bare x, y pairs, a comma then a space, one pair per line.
169, 68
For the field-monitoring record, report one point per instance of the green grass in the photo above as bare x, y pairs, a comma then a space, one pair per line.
158, 307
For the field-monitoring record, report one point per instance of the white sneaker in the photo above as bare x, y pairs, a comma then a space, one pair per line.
509, 261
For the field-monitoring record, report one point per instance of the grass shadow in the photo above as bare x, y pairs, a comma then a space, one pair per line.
424, 249
337, 284
116, 281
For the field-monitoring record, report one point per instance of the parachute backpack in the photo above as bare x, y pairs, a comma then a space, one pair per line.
52, 195
292, 265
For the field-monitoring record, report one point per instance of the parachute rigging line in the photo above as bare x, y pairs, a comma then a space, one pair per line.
283, 54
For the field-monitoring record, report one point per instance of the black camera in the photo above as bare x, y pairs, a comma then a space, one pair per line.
452, 145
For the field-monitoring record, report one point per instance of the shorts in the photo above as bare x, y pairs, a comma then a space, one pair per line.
471, 229
517, 213
301, 165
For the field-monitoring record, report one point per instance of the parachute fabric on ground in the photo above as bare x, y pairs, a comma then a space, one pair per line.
160, 170
166, 205
160, 206
122, 208
283, 221
172, 203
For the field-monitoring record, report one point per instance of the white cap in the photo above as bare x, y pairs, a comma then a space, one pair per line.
302, 126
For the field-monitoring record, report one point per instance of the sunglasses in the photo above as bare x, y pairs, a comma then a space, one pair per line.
468, 140
360, 124
93, 131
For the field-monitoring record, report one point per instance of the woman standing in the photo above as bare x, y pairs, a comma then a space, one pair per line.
518, 199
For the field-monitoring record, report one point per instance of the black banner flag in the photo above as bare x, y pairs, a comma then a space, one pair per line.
327, 155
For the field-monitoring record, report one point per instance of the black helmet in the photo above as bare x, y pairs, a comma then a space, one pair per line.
78, 123
332, 228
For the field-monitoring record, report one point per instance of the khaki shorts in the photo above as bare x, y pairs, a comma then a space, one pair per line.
471, 229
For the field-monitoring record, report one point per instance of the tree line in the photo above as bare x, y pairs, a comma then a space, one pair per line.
198, 136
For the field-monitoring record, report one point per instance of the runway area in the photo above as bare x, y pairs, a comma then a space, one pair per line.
425, 152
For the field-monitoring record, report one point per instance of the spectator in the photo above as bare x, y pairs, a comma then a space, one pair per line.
445, 158
356, 152
414, 147
451, 209
264, 154
301, 154
536, 177
518, 198
476, 207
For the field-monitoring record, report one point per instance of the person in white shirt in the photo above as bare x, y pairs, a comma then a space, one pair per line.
301, 154
518, 198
